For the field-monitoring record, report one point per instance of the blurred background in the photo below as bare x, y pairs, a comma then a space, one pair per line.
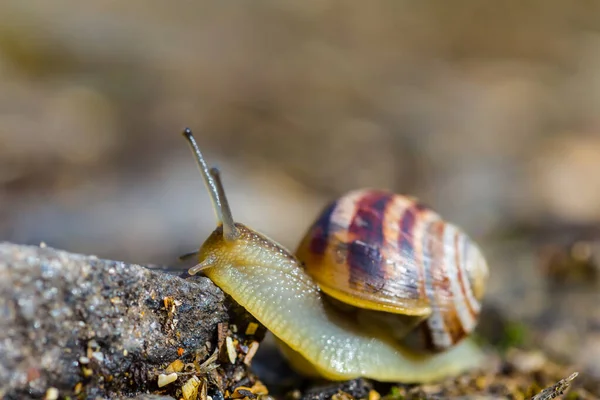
487, 111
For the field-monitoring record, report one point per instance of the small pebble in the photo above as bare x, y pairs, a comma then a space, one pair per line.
374, 395
98, 355
84, 360
230, 349
251, 329
164, 380
251, 352
52, 394
175, 366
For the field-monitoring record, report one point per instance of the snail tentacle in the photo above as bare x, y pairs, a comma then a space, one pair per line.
215, 189
230, 232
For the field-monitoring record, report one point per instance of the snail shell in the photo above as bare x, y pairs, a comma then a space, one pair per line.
389, 253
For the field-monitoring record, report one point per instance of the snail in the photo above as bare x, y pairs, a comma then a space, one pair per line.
374, 268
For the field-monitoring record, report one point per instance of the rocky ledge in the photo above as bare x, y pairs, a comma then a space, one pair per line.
78, 326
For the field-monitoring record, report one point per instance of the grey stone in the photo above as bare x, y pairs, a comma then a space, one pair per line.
61, 313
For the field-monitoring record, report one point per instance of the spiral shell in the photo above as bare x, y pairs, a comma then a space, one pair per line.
381, 251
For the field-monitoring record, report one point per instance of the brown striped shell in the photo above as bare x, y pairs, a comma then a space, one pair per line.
384, 252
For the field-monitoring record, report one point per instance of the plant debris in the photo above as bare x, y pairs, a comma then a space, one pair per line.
557, 389
189, 390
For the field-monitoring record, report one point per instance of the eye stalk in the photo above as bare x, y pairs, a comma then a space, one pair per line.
212, 180
230, 232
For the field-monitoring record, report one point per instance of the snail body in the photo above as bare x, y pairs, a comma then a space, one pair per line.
295, 296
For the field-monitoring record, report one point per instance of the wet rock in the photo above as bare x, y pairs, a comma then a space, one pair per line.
81, 325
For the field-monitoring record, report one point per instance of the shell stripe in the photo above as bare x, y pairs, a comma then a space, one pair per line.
344, 210
434, 330
474, 303
459, 240
321, 230
403, 277
453, 270
440, 293
336, 224
420, 231
366, 232
407, 224
406, 249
